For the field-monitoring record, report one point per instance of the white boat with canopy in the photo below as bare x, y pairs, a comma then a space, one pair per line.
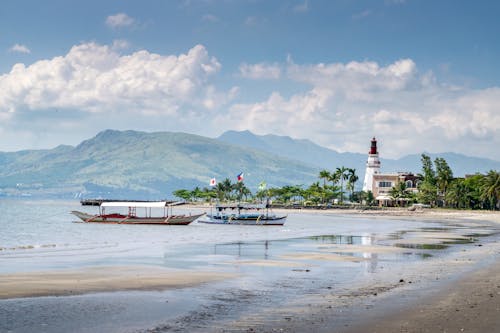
132, 217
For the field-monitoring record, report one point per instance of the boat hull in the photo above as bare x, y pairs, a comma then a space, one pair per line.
124, 219
245, 220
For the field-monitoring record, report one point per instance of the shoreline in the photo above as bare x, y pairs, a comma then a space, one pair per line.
387, 212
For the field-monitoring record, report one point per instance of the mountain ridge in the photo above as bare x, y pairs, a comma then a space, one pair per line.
134, 164
330, 159
139, 164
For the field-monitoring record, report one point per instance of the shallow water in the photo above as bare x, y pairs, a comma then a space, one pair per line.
42, 235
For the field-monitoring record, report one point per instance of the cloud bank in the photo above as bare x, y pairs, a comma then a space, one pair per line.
347, 104
338, 105
95, 78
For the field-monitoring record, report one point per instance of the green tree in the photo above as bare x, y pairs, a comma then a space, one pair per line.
183, 194
341, 175
196, 194
490, 189
224, 189
314, 193
326, 176
352, 178
427, 189
208, 193
443, 178
428, 173
400, 194
241, 191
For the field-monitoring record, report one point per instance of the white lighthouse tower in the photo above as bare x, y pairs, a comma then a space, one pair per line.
372, 166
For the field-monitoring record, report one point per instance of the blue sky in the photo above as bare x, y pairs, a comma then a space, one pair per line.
419, 75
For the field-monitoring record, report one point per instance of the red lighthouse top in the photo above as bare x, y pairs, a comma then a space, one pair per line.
373, 148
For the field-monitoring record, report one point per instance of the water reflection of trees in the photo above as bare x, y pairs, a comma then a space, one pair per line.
339, 239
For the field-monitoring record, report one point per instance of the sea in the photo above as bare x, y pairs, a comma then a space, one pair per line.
43, 235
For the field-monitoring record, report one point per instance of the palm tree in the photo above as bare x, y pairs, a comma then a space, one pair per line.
224, 189
400, 193
444, 177
352, 178
241, 190
325, 175
457, 194
490, 188
341, 175
313, 193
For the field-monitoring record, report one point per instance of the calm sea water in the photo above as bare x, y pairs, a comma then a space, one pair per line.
41, 235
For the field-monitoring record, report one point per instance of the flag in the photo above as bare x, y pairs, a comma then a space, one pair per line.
240, 177
262, 186
213, 182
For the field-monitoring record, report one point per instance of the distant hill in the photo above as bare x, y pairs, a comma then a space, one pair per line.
324, 158
131, 164
301, 150
139, 165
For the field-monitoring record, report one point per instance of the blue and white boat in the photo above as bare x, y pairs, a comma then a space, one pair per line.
243, 214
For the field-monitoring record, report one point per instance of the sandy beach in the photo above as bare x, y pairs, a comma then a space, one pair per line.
458, 293
100, 279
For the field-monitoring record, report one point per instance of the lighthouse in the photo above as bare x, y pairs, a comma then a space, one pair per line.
372, 166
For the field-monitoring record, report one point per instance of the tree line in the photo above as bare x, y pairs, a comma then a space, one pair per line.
436, 187
337, 185
439, 188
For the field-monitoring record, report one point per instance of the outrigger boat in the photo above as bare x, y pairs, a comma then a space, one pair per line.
133, 218
244, 214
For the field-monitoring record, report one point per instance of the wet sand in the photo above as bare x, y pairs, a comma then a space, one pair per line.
100, 279
470, 304
468, 301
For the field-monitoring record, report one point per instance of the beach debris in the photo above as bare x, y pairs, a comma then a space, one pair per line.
401, 280
301, 270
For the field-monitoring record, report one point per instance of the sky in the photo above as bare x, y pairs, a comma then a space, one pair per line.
419, 75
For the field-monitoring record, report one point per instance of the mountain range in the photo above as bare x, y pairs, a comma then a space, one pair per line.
139, 165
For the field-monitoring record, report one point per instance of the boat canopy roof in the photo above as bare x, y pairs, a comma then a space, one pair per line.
138, 204
241, 206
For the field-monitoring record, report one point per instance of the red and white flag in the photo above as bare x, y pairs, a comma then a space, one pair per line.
240, 177
213, 182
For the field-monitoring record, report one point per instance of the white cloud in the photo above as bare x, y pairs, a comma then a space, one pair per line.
210, 18
119, 20
260, 71
347, 104
19, 48
362, 15
338, 105
120, 44
301, 7
95, 78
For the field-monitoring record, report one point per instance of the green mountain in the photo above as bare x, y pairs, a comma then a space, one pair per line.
138, 165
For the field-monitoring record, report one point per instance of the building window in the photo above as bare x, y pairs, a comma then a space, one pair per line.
385, 184
409, 184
